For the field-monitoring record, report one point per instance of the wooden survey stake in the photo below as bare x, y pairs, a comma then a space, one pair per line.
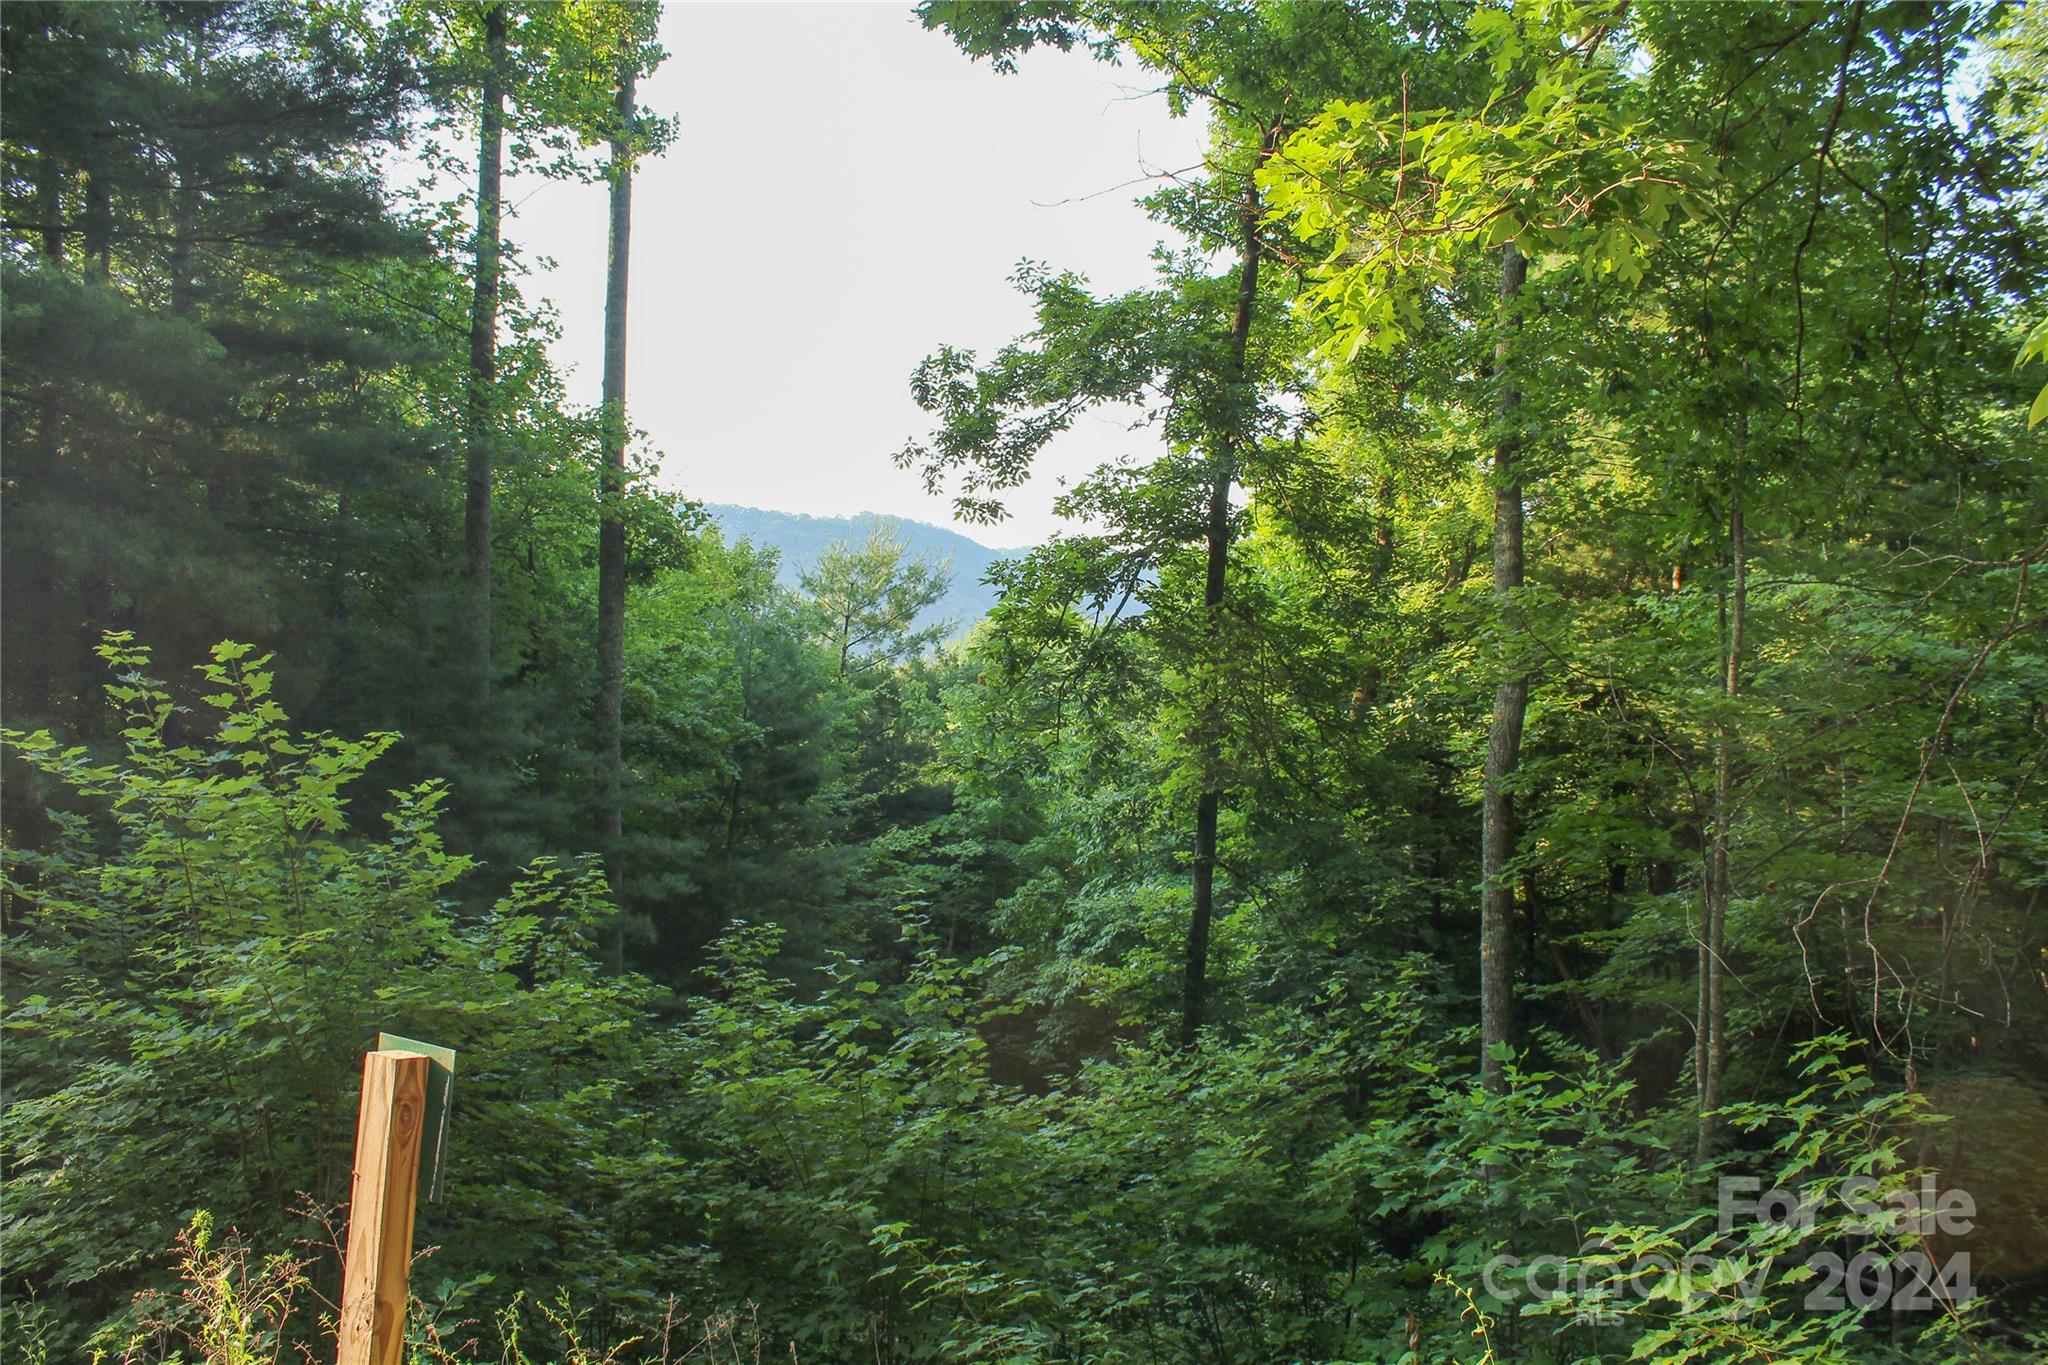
380, 1208
440, 1096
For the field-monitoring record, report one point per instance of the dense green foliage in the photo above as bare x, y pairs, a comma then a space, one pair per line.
1106, 985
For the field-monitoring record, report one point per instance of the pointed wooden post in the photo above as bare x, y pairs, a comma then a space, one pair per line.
380, 1209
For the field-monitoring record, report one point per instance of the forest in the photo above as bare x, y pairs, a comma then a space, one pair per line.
1510, 827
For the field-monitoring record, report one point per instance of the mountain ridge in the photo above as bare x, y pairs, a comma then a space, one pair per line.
800, 539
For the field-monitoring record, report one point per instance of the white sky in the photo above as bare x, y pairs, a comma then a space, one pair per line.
846, 192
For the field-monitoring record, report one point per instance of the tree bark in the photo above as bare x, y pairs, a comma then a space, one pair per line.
50, 205
99, 227
483, 357
185, 213
1223, 472
611, 526
43, 577
1382, 535
184, 224
1710, 1059
1510, 704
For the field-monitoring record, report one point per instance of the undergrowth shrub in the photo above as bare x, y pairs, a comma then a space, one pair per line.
196, 964
198, 961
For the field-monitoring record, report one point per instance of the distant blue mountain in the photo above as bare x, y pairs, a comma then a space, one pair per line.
802, 539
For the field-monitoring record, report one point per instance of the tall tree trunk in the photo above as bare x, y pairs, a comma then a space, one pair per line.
184, 224
338, 559
1382, 535
1510, 704
50, 205
611, 526
483, 357
99, 227
1710, 1059
1383, 511
1223, 472
185, 202
41, 553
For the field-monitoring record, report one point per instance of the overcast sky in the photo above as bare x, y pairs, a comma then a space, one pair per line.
846, 192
